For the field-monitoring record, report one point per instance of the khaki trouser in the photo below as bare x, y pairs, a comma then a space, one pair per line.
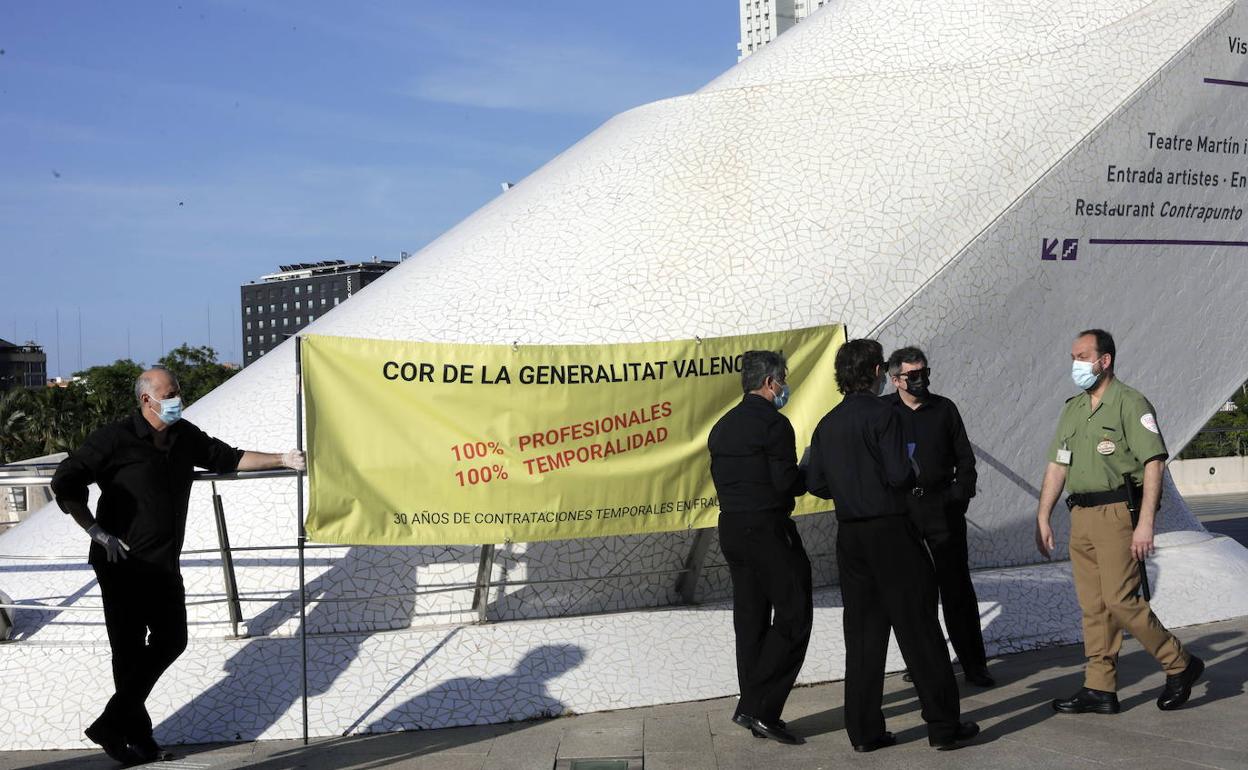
1106, 578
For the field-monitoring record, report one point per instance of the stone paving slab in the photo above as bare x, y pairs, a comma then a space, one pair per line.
1019, 728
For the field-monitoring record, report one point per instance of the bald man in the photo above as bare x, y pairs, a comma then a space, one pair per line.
143, 465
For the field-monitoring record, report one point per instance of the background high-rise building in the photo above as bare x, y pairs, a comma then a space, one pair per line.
280, 304
763, 20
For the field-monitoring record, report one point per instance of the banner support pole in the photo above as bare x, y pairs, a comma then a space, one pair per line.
687, 583
302, 534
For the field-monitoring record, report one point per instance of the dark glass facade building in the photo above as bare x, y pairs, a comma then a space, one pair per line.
278, 305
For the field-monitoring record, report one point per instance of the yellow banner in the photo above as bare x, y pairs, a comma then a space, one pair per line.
413, 443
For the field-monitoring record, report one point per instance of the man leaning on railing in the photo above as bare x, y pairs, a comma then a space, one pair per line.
144, 466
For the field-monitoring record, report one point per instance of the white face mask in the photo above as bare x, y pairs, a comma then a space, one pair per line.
170, 410
1081, 372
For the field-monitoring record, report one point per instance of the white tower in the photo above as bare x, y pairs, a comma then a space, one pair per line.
763, 20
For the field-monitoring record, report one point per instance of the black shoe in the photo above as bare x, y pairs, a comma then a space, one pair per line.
775, 731
882, 742
745, 721
148, 750
978, 676
906, 676
1179, 687
113, 744
965, 732
1088, 700
748, 723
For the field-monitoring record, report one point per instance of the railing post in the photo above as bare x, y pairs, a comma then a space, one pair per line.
687, 583
481, 595
303, 537
227, 562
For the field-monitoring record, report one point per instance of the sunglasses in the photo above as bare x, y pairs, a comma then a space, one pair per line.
915, 374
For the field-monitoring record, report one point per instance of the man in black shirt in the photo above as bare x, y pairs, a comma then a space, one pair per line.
945, 465
143, 466
858, 460
754, 467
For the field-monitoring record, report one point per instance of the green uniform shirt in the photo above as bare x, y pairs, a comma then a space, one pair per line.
1100, 445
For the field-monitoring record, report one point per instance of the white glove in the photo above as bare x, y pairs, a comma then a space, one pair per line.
113, 547
294, 460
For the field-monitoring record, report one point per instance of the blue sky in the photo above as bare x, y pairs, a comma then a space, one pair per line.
155, 155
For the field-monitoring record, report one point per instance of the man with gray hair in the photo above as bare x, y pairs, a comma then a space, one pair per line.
143, 466
754, 467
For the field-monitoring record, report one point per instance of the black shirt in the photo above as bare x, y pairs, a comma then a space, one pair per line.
858, 459
144, 490
754, 459
942, 451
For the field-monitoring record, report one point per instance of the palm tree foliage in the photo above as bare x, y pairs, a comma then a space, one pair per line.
42, 421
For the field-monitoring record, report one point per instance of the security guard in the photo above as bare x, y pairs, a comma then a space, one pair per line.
754, 467
1105, 432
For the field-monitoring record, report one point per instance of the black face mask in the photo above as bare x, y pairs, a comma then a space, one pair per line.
918, 386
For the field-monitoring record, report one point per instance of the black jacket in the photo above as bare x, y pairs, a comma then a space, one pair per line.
144, 491
858, 459
754, 459
942, 450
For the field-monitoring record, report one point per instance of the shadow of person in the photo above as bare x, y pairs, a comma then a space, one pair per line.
519, 695
1033, 706
369, 752
262, 679
1226, 671
1226, 677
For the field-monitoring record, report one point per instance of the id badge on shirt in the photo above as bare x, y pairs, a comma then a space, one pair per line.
1063, 455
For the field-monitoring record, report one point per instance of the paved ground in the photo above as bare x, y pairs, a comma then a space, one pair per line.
1224, 514
1020, 730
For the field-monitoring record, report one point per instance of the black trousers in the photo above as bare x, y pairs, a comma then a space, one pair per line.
772, 609
145, 613
887, 581
942, 524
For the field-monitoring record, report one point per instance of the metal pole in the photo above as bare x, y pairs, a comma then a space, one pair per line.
227, 561
303, 588
481, 595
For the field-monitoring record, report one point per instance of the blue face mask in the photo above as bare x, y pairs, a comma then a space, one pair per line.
1081, 372
170, 409
782, 397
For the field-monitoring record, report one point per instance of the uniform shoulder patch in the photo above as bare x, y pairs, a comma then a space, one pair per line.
1149, 422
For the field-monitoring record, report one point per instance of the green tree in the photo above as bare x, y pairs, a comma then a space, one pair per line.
1225, 435
59, 420
44, 421
1240, 399
16, 405
109, 390
197, 370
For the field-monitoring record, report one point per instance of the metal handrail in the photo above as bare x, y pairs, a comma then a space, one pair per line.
234, 595
21, 475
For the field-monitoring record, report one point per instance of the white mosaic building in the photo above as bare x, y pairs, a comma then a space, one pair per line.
930, 172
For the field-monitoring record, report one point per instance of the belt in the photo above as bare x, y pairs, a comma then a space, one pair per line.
747, 518
920, 491
1092, 499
